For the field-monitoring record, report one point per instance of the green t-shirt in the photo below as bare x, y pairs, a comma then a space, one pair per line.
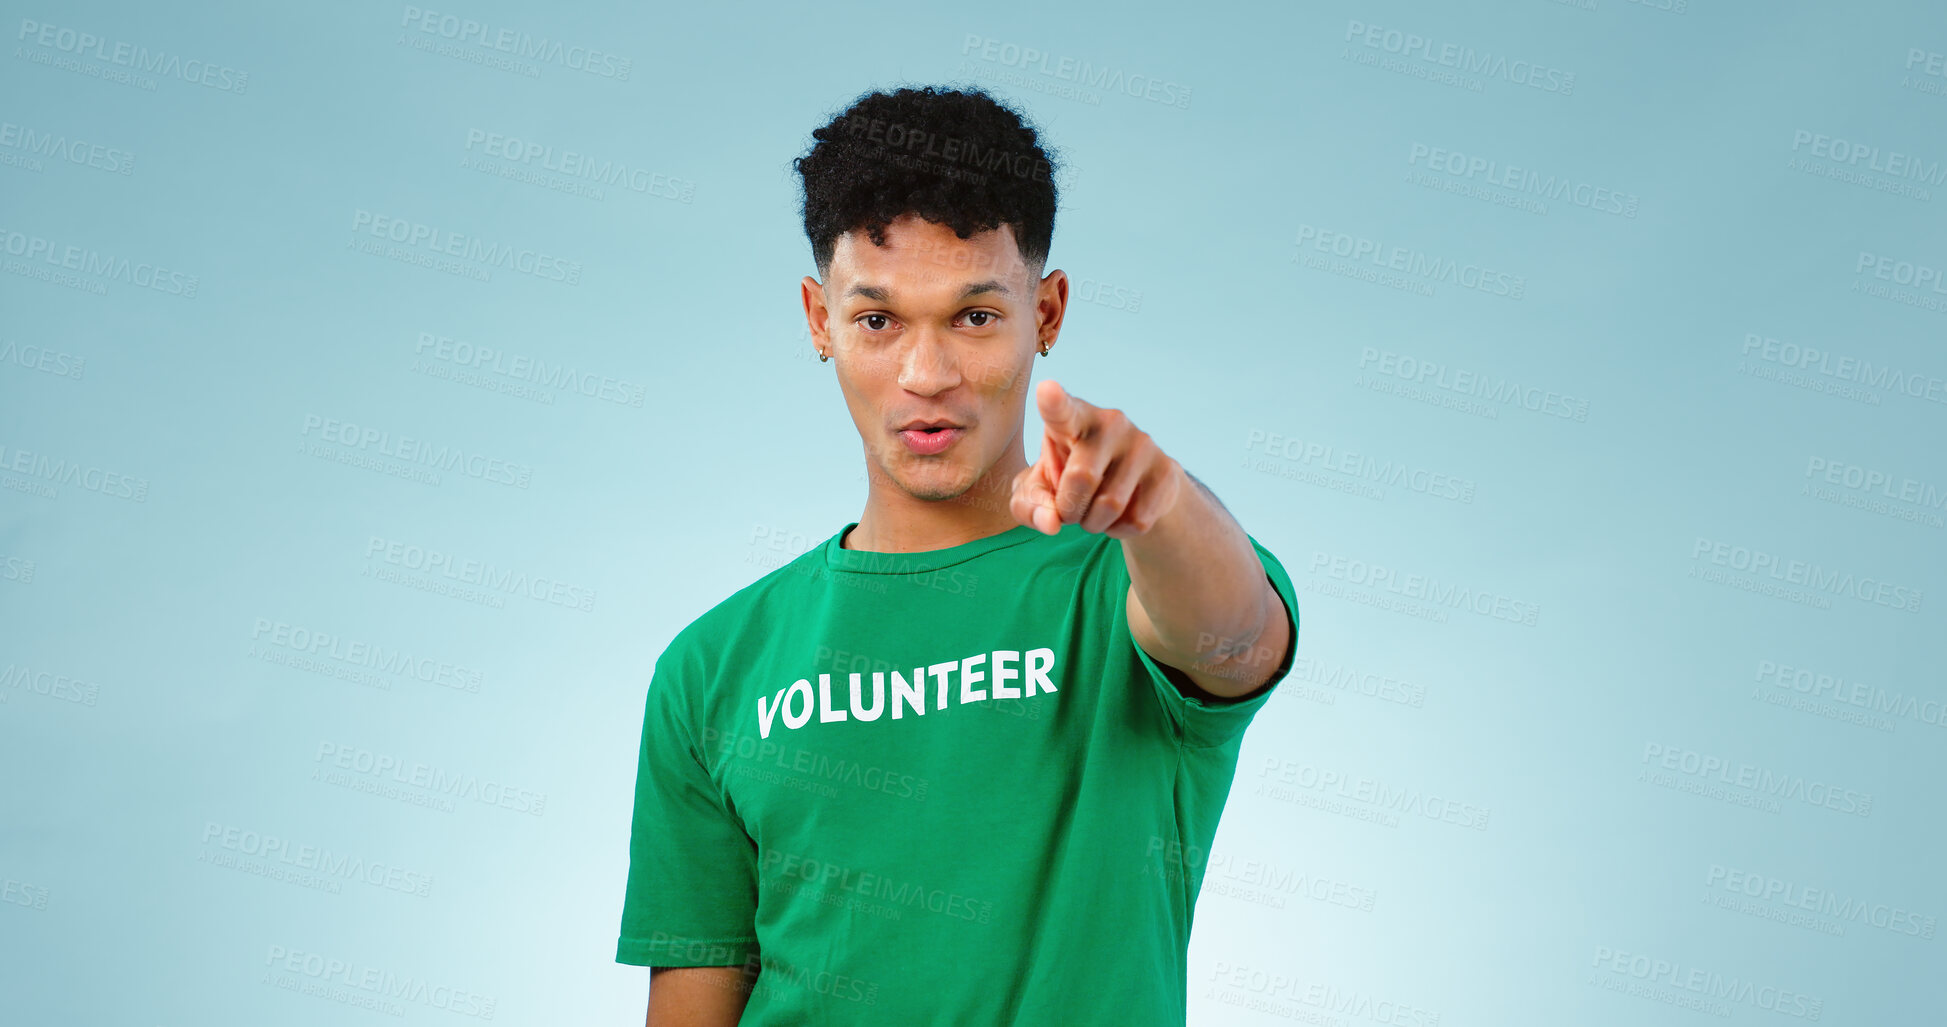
931, 787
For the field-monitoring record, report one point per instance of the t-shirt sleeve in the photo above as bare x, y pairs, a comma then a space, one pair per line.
1211, 721
691, 898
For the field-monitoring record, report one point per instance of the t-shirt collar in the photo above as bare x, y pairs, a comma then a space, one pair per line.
859, 561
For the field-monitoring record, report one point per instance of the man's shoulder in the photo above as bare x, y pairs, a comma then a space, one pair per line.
781, 589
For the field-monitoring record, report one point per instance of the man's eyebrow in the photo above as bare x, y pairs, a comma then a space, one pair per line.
879, 294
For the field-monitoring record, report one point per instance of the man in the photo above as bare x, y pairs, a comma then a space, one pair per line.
958, 763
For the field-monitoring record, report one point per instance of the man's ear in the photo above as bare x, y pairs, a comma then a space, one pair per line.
817, 315
1050, 305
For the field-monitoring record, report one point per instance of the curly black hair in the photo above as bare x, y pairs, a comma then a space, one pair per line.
955, 157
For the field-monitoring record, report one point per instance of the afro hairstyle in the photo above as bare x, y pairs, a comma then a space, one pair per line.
954, 157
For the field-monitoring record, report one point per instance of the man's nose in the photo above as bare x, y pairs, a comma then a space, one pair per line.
929, 364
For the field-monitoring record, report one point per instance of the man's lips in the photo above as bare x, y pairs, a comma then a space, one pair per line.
927, 443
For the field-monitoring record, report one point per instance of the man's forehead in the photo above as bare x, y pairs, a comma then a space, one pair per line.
907, 238
916, 266
882, 292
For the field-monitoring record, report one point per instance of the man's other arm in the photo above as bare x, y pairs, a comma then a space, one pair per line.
1199, 600
699, 996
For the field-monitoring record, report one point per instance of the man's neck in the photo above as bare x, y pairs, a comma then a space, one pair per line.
896, 522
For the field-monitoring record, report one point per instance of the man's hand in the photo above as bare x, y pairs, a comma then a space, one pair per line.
1193, 574
1096, 469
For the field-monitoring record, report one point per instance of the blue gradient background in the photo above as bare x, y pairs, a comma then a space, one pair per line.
1207, 328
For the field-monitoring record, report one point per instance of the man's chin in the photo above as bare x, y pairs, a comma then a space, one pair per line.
932, 478
937, 487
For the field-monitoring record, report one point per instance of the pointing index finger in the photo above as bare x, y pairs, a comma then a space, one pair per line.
1061, 412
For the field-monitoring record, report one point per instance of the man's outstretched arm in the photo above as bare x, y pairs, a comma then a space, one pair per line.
1199, 599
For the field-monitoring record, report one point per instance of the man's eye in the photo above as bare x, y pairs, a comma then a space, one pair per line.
983, 313
873, 317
